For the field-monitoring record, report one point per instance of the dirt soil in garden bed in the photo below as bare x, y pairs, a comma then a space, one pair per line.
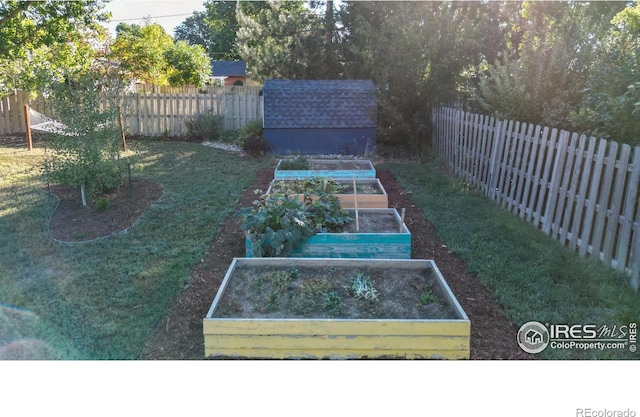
179, 334
325, 292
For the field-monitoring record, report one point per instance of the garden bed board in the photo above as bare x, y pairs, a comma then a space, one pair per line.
241, 324
331, 168
369, 193
383, 235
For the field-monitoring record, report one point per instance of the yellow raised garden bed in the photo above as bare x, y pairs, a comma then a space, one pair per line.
274, 323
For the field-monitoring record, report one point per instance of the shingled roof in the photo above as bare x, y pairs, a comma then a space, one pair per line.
295, 104
229, 68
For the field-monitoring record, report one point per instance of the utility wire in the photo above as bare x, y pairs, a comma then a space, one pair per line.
151, 17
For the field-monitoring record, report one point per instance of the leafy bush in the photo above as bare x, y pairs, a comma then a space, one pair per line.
278, 224
205, 126
256, 146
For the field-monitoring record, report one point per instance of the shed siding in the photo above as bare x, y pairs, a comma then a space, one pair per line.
322, 141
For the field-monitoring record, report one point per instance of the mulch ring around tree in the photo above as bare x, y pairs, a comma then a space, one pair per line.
73, 222
179, 334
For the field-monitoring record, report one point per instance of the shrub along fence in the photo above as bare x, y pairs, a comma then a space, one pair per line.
581, 191
147, 114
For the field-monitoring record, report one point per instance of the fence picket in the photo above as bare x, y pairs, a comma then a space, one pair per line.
615, 206
527, 200
560, 221
603, 200
630, 206
572, 194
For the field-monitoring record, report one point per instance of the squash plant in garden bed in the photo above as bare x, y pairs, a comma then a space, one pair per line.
282, 226
369, 193
335, 308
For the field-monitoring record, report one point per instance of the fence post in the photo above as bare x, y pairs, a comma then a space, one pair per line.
27, 122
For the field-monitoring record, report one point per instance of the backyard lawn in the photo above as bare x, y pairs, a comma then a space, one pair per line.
103, 299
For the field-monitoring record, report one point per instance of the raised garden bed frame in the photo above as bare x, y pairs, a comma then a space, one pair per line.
348, 200
368, 171
338, 338
394, 245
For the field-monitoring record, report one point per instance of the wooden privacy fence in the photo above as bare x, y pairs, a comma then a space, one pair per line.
149, 114
581, 191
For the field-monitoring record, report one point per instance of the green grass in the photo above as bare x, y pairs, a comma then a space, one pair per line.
102, 300
532, 276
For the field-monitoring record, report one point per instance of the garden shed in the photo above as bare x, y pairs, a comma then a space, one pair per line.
320, 116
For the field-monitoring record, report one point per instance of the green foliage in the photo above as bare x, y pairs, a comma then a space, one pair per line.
311, 186
87, 155
332, 302
251, 137
255, 146
611, 105
101, 203
278, 224
140, 51
187, 65
42, 41
300, 162
280, 40
205, 126
362, 286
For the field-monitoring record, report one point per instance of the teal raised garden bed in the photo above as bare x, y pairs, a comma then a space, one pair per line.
331, 168
394, 242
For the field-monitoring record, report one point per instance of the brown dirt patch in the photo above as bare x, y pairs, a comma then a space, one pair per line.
73, 222
179, 334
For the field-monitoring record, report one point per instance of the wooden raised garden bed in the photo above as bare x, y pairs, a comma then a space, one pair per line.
331, 168
382, 235
369, 192
319, 309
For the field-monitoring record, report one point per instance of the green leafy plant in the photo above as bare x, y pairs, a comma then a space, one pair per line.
101, 203
427, 298
314, 186
362, 286
278, 224
332, 302
256, 146
299, 162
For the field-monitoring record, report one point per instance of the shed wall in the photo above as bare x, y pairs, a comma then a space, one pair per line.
322, 141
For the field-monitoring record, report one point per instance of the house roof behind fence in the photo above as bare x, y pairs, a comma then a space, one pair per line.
295, 104
229, 68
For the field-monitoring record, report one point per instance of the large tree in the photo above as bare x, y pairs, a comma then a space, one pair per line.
611, 104
282, 40
215, 29
415, 52
541, 77
44, 40
147, 53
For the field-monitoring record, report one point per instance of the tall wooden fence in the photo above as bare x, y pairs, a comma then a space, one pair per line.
150, 114
581, 191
